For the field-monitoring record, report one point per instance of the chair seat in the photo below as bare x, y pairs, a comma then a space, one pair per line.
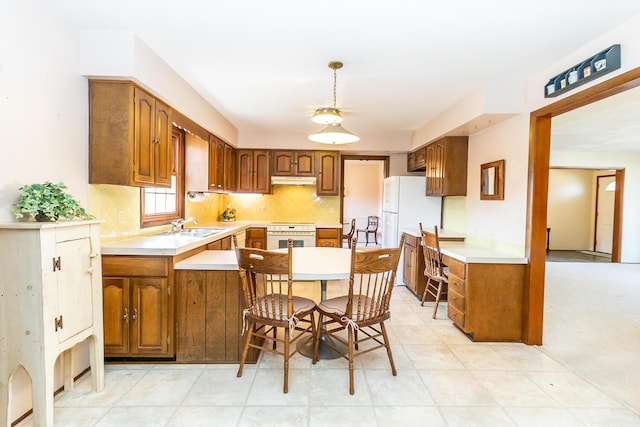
338, 305
300, 305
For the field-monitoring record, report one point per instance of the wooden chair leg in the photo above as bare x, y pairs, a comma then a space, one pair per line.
245, 350
388, 347
435, 309
350, 349
286, 360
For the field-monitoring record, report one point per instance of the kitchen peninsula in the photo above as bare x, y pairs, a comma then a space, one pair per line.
147, 303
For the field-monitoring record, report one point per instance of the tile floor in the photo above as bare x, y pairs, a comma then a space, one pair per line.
443, 378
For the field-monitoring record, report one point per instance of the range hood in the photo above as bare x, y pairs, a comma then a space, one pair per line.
293, 180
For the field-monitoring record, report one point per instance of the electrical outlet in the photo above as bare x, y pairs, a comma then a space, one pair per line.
120, 217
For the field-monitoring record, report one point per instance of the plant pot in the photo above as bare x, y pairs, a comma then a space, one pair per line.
42, 217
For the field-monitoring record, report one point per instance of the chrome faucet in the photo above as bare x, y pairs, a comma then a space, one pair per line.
180, 222
177, 223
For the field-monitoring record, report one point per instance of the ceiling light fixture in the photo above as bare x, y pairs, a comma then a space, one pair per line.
333, 132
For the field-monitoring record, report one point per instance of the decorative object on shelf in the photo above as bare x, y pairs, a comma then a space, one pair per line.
492, 180
593, 67
333, 132
229, 214
47, 202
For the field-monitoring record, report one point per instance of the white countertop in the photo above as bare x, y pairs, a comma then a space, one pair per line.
442, 233
175, 245
475, 254
209, 260
171, 245
310, 263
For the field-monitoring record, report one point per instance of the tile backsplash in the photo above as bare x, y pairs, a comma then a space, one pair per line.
119, 207
287, 203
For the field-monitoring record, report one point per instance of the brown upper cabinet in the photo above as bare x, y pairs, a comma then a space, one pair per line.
253, 171
216, 164
293, 163
417, 160
229, 180
129, 136
328, 181
446, 166
210, 166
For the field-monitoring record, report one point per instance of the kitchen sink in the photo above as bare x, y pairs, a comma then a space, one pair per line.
192, 232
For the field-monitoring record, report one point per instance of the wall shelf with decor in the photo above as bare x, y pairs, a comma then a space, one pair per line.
591, 68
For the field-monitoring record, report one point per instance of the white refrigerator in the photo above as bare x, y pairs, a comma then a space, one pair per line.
404, 205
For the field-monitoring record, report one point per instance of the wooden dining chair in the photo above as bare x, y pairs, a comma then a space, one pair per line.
435, 272
372, 228
348, 236
363, 311
269, 304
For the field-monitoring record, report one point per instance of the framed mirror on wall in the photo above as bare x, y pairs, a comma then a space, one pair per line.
492, 180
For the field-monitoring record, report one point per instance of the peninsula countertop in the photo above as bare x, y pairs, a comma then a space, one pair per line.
471, 253
309, 263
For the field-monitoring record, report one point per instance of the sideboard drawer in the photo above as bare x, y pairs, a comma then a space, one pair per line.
457, 300
456, 267
457, 284
456, 316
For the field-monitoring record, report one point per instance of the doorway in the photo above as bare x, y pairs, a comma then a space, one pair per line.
539, 154
361, 191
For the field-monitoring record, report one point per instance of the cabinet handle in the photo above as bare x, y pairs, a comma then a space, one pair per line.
90, 270
93, 255
58, 321
135, 314
126, 315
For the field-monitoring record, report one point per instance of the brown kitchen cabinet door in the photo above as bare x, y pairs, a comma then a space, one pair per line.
254, 174
116, 315
328, 176
163, 156
216, 164
256, 237
446, 167
293, 163
229, 168
150, 316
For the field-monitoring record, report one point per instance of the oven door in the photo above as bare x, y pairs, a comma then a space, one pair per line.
278, 240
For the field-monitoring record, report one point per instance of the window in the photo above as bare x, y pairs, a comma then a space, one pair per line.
159, 206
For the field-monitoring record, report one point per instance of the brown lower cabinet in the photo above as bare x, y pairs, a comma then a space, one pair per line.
485, 300
329, 237
256, 237
209, 317
137, 306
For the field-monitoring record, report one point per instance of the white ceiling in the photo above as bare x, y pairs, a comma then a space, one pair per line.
263, 64
612, 124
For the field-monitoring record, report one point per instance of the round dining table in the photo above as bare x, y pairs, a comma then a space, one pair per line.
323, 264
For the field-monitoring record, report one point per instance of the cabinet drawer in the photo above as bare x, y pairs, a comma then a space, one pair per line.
456, 284
328, 233
134, 266
457, 268
456, 300
456, 316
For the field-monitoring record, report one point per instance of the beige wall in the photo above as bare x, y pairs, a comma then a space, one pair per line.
569, 211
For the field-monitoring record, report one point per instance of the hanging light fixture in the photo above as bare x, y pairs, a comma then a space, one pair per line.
333, 132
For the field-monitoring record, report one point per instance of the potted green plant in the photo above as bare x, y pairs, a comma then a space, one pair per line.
48, 202
229, 214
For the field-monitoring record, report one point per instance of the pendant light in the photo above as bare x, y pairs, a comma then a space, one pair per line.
333, 132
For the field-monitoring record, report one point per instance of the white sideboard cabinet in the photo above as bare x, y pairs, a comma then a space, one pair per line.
50, 300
